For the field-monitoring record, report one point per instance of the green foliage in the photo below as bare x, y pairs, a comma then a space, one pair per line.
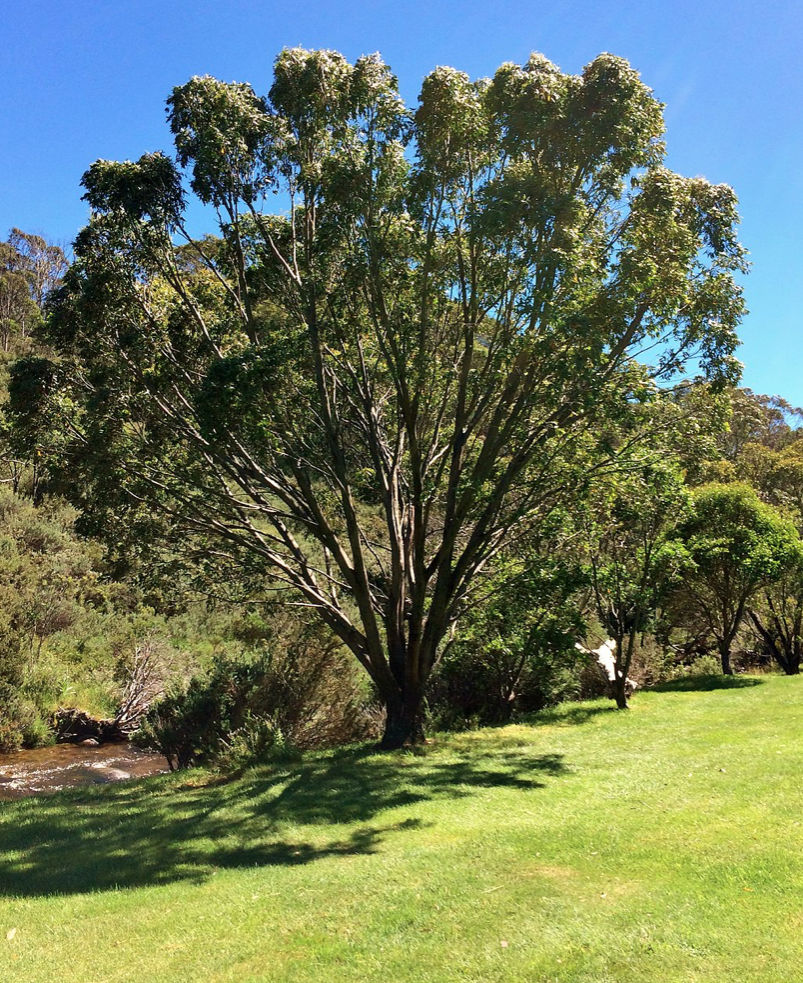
732, 536
632, 559
47, 576
734, 545
289, 688
770, 458
515, 651
30, 268
189, 725
756, 419
17, 718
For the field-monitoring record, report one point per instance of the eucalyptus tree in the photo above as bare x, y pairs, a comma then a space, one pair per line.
367, 393
736, 548
30, 268
776, 614
18, 308
757, 420
42, 263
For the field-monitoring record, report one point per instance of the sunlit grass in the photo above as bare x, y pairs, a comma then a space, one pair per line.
663, 844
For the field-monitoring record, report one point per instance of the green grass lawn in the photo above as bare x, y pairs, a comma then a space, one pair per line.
662, 844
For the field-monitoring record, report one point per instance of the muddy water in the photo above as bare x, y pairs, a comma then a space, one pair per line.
49, 769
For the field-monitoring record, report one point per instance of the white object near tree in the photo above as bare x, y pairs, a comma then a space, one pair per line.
606, 659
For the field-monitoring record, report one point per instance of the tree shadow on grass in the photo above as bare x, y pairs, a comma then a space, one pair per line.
571, 714
170, 829
705, 684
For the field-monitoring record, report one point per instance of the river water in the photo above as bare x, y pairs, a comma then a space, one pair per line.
50, 769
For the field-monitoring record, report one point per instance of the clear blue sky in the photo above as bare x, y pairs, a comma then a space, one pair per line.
83, 80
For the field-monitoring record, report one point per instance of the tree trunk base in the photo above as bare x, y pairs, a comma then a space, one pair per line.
402, 730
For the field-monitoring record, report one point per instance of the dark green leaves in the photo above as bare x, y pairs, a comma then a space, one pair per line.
146, 189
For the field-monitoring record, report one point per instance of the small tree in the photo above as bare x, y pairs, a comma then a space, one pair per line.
29, 269
631, 560
735, 547
777, 611
515, 647
777, 616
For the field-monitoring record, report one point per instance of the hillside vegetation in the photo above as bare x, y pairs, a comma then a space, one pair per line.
595, 846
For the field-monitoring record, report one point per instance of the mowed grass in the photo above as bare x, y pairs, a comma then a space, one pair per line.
662, 844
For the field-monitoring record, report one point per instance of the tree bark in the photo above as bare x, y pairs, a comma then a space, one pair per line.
404, 724
725, 658
620, 690
404, 721
781, 645
623, 656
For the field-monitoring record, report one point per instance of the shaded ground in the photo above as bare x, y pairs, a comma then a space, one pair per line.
183, 831
706, 684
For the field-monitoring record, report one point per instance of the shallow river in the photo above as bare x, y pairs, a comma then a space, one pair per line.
50, 769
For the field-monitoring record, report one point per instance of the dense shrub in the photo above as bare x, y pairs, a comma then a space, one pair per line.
188, 725
21, 723
515, 649
473, 687
303, 696
10, 719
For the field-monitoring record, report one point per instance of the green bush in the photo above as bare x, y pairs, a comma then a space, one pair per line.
20, 722
474, 686
256, 739
189, 725
36, 731
245, 708
10, 733
515, 652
